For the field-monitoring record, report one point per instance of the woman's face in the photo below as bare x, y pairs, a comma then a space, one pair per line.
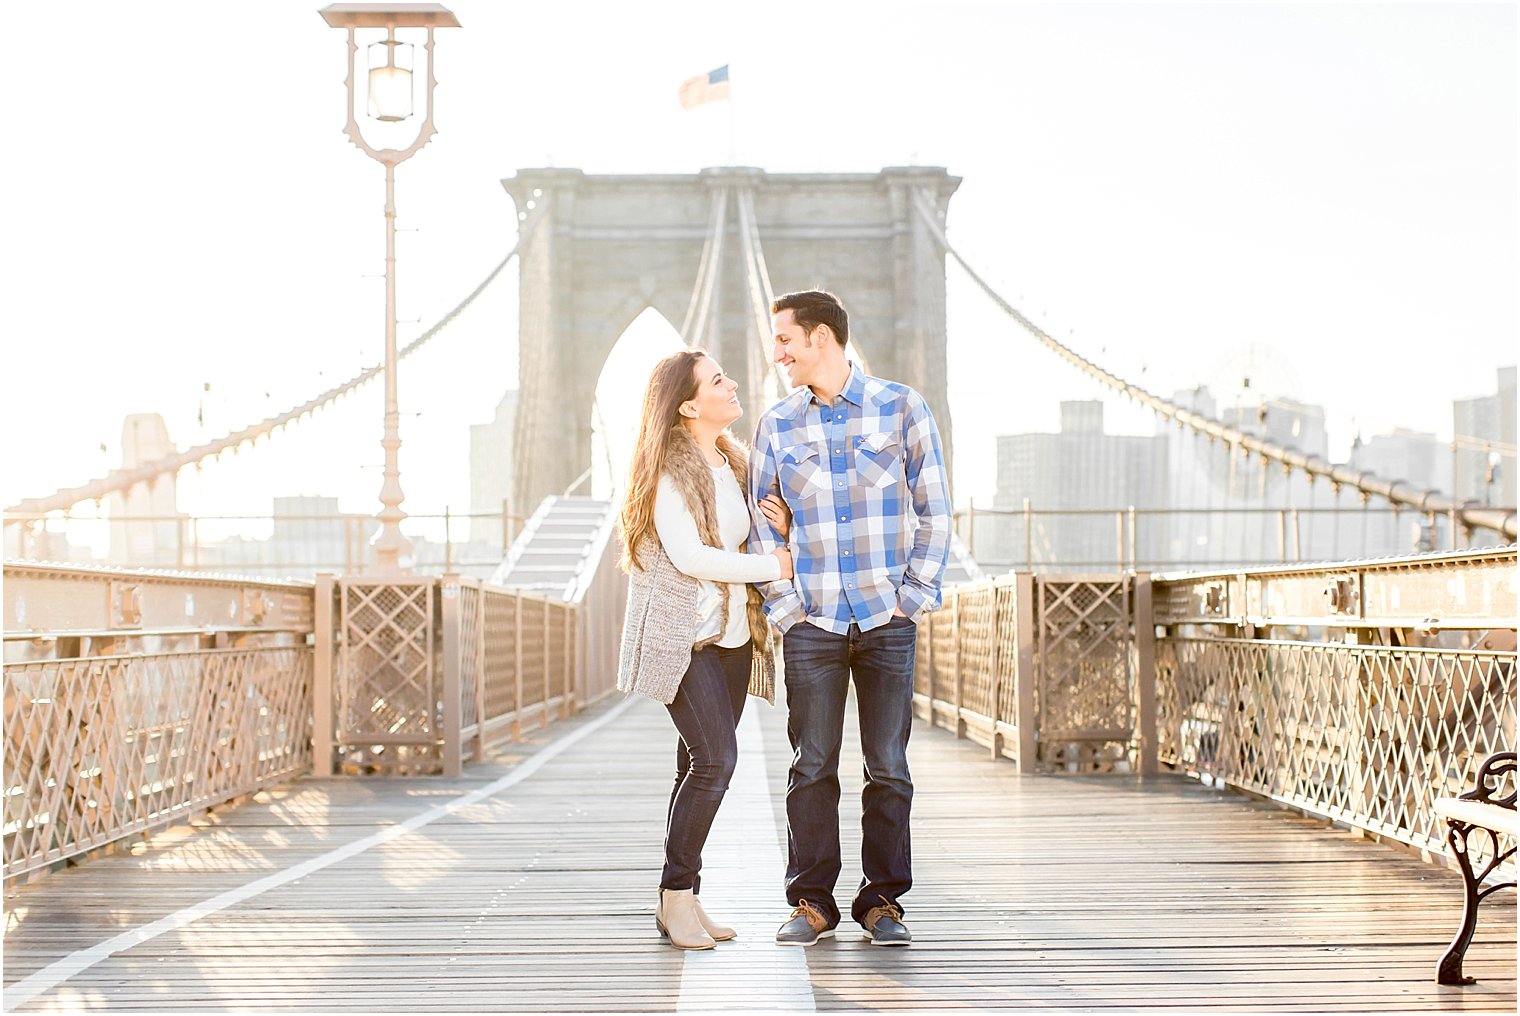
717, 398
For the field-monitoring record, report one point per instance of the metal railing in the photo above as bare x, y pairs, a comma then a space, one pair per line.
1366, 735
144, 699
134, 699
298, 545
1043, 669
1357, 691
1163, 539
421, 673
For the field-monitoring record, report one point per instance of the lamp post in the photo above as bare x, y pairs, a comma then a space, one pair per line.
389, 90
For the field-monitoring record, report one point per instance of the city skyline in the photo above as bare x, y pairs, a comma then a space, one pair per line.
1190, 472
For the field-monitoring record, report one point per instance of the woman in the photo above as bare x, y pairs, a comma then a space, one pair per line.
694, 636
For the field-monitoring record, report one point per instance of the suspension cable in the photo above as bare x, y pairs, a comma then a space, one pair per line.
119, 480
699, 311
761, 296
1398, 492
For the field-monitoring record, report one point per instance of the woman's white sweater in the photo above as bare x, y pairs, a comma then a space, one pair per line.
677, 529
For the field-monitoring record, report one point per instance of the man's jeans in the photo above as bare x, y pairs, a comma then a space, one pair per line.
706, 711
819, 666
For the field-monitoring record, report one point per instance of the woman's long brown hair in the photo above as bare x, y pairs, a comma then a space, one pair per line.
673, 382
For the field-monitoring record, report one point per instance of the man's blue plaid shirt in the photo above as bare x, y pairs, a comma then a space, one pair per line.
870, 503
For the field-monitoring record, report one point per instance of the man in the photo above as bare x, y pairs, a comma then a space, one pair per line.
857, 459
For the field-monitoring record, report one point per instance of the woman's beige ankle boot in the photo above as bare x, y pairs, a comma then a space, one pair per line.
718, 932
676, 917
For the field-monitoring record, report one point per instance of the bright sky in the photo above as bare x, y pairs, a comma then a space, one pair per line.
1323, 196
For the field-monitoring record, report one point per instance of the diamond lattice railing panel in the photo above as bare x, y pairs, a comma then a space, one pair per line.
500, 653
469, 644
1084, 665
388, 690
942, 656
978, 649
1368, 735
535, 651
557, 670
1007, 654
282, 719
1168, 749
101, 748
921, 656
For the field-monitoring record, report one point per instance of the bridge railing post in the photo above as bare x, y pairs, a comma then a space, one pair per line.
958, 723
324, 639
1145, 674
517, 665
452, 746
1024, 670
479, 751
546, 663
1000, 668
567, 700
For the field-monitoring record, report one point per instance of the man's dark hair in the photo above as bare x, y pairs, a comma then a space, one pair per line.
811, 308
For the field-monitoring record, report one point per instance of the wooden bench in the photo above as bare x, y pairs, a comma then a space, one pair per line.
1478, 809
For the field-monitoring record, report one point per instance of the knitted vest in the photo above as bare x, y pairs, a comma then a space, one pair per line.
660, 623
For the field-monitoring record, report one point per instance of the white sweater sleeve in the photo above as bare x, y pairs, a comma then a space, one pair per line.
678, 535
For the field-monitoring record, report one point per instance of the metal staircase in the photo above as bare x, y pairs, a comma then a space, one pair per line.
559, 548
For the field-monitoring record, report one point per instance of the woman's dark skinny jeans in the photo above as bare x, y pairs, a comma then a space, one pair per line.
706, 711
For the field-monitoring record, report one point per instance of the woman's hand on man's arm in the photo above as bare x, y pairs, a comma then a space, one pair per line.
777, 514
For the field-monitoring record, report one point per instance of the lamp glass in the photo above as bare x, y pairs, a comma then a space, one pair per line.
390, 81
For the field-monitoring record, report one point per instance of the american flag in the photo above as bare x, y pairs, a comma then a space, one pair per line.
709, 87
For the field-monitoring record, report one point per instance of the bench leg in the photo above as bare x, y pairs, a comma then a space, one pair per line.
1450, 969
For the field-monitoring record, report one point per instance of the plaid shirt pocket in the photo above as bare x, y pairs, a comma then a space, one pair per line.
878, 460
801, 473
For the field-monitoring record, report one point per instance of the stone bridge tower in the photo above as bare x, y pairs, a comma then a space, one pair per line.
606, 247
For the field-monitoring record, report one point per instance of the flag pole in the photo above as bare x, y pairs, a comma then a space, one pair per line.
733, 159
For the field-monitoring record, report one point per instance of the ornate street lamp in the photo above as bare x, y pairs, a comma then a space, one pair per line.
389, 88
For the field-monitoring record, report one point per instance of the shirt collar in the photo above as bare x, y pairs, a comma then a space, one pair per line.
854, 391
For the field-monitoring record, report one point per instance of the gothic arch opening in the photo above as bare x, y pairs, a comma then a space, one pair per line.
619, 397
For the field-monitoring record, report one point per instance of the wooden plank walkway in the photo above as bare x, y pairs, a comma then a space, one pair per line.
1080, 893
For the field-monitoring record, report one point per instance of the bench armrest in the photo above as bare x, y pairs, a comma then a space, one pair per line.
1491, 780
1478, 813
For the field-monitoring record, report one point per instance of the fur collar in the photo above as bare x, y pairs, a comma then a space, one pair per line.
689, 471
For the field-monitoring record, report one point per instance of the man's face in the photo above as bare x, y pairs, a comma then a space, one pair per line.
798, 353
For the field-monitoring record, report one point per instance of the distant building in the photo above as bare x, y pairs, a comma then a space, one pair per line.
1486, 476
1081, 467
491, 458
308, 530
1417, 458
308, 535
147, 530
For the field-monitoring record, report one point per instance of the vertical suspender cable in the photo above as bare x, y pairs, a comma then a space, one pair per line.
1500, 520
